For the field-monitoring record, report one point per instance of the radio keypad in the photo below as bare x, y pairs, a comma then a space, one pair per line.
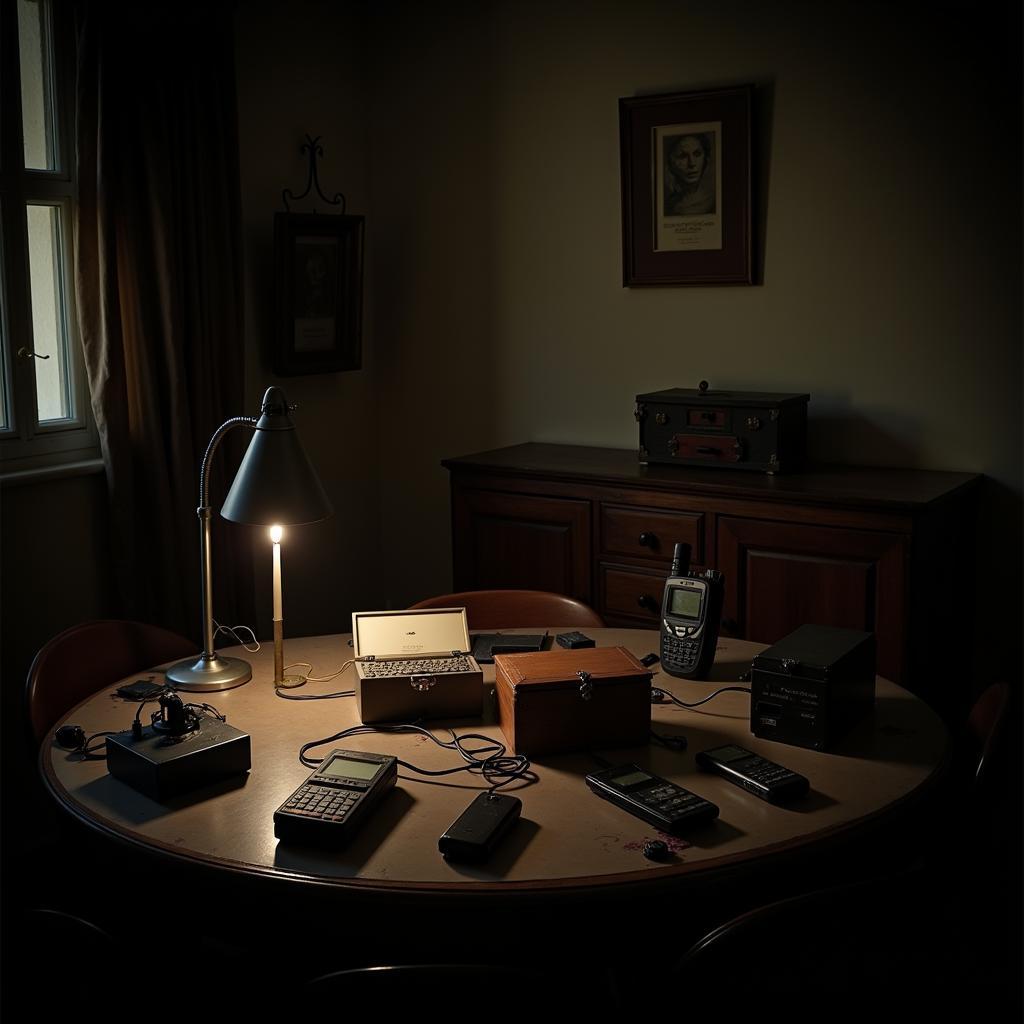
671, 801
328, 803
682, 652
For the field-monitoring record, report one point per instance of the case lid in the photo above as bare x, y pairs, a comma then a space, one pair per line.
558, 669
813, 651
679, 396
417, 633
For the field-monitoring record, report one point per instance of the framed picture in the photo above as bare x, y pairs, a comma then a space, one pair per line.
319, 260
686, 217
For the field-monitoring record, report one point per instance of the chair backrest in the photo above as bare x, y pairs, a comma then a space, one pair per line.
508, 989
507, 609
984, 724
857, 938
77, 662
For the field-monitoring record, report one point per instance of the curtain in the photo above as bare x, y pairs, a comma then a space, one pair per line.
159, 279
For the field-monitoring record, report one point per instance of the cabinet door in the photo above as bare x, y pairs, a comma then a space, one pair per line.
521, 542
779, 576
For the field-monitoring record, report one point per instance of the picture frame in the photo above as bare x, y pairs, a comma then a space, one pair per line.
686, 188
319, 288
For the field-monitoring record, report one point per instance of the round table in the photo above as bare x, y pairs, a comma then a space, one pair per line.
568, 840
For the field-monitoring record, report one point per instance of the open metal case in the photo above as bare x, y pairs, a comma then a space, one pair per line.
417, 642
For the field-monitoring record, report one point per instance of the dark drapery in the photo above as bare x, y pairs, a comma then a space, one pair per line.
158, 267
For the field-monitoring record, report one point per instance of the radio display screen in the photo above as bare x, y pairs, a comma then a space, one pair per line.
685, 603
346, 768
631, 779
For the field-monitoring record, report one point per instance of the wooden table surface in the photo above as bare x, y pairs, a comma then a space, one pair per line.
567, 838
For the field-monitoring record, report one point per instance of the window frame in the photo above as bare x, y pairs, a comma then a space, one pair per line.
25, 443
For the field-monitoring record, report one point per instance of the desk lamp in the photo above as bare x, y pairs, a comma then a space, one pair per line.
274, 485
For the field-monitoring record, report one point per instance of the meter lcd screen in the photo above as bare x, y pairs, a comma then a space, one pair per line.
345, 768
685, 603
631, 779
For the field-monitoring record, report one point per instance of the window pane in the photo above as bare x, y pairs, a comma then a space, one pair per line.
36, 84
49, 329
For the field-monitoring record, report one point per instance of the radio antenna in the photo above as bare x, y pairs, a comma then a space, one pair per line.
680, 559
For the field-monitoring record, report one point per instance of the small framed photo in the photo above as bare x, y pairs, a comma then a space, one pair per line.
686, 216
319, 260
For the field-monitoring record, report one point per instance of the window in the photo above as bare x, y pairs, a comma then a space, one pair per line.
44, 404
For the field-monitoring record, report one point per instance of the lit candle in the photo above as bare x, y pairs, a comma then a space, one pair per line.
275, 536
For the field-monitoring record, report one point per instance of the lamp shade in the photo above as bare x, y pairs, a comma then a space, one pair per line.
276, 483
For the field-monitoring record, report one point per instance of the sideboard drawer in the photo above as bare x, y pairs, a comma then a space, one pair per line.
632, 593
650, 533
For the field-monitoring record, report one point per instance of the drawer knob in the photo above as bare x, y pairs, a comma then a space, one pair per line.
648, 540
647, 602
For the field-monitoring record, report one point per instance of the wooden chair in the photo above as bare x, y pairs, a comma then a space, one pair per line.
984, 726
872, 944
77, 662
508, 609
499, 991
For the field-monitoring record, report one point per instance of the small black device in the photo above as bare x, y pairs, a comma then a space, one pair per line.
163, 765
655, 849
487, 645
813, 686
691, 612
573, 641
70, 737
328, 807
141, 689
477, 831
649, 659
661, 803
755, 774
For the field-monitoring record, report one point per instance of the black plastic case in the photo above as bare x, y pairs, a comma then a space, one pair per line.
764, 431
813, 686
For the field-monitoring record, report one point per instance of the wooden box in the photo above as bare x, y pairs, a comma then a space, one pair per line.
403, 663
550, 702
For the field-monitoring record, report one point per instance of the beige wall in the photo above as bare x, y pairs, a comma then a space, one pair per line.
299, 72
889, 176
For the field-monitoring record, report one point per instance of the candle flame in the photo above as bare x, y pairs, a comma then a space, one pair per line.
275, 534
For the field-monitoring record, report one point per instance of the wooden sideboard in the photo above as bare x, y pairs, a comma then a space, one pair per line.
837, 545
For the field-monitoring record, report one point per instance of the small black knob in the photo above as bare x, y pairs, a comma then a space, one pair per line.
655, 849
648, 540
647, 602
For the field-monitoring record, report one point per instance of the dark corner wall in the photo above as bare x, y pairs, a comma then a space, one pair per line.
481, 142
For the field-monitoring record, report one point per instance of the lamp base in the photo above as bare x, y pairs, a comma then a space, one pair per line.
207, 675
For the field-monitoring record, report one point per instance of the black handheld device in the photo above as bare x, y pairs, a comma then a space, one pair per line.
691, 612
755, 774
574, 640
661, 803
328, 807
480, 827
141, 689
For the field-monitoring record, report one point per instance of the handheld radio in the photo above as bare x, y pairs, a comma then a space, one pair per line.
691, 611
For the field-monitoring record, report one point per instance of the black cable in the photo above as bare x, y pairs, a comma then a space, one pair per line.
89, 753
658, 692
497, 768
284, 695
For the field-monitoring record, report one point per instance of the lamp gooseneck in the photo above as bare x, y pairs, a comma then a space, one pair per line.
210, 672
274, 484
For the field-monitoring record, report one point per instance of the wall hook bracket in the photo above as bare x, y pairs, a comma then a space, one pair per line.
314, 151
